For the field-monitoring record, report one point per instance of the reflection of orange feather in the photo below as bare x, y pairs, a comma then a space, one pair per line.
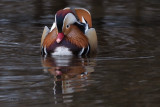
67, 71
75, 36
50, 38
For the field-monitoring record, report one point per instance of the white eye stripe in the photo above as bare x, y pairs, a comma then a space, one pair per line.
69, 19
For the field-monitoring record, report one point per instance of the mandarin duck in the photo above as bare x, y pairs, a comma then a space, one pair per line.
71, 34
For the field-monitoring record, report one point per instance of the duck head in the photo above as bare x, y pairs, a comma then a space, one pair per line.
69, 16
64, 19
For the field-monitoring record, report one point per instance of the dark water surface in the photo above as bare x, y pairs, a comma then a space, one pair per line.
125, 72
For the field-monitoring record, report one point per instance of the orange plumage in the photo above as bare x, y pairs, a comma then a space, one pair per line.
51, 37
75, 36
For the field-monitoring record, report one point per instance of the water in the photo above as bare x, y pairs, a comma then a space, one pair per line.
124, 73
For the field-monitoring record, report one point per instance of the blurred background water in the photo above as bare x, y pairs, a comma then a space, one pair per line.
124, 73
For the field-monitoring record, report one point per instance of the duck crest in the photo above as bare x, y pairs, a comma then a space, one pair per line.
83, 13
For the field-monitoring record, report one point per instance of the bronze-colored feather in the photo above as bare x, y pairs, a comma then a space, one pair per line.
45, 33
75, 36
50, 38
92, 38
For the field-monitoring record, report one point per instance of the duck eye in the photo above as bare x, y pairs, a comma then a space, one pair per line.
68, 26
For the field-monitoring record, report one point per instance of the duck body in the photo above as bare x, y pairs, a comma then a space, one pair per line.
65, 48
70, 34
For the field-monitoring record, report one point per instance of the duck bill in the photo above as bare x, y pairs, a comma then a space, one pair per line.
59, 37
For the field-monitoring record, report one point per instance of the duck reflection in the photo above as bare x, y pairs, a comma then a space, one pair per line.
70, 74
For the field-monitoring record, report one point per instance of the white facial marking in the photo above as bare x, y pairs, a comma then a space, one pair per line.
61, 51
69, 19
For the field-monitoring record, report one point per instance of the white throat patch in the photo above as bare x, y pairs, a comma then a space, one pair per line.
61, 51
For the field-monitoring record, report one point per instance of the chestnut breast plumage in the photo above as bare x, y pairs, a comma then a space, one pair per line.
70, 34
